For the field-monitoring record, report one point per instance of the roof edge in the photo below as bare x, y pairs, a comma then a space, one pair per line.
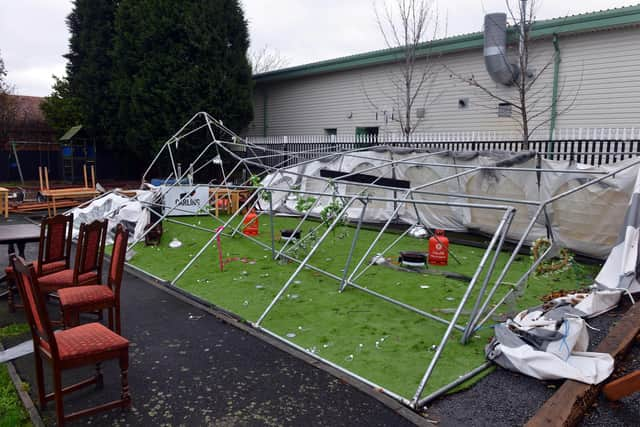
592, 21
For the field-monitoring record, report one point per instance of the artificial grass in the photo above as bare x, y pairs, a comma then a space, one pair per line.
380, 341
12, 413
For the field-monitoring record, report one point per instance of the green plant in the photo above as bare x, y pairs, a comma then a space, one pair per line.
13, 330
300, 249
12, 412
305, 203
256, 181
330, 212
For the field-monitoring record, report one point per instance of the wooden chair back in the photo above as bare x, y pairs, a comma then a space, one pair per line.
55, 241
90, 249
35, 307
118, 254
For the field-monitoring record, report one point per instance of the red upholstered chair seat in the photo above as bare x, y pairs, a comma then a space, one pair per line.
47, 268
93, 297
88, 340
64, 278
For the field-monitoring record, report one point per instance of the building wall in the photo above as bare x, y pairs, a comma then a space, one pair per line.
599, 87
602, 71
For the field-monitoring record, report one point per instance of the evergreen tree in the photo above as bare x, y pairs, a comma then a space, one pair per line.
89, 66
173, 59
61, 109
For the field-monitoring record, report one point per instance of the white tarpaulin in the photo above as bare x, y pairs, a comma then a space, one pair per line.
621, 268
549, 345
118, 209
577, 221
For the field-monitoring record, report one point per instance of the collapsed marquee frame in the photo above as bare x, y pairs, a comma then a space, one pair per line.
482, 309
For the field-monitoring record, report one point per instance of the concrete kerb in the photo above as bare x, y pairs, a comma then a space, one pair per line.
237, 322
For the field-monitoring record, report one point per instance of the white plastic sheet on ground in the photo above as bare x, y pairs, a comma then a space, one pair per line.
534, 343
131, 212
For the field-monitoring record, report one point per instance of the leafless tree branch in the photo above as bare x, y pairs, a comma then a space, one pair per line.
266, 59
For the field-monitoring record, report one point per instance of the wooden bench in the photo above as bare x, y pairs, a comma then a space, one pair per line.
54, 196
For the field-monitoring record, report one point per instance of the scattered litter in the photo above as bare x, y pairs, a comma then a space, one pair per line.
349, 358
291, 335
245, 303
450, 298
377, 344
295, 296
264, 275
297, 282
192, 317
252, 262
418, 231
328, 259
245, 273
424, 286
259, 287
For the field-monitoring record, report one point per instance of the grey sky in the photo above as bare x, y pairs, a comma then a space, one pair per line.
34, 36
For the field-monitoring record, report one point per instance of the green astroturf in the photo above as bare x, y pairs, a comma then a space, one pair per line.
377, 340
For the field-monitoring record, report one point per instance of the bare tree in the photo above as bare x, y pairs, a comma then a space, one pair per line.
529, 96
266, 59
406, 26
8, 105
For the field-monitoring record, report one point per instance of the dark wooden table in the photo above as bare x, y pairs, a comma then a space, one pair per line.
17, 235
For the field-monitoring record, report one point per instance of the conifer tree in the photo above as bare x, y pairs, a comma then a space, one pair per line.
173, 59
89, 66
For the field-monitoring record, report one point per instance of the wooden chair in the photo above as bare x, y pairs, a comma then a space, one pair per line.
89, 344
154, 235
54, 252
87, 268
95, 298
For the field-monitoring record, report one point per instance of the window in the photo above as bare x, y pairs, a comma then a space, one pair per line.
366, 135
504, 109
367, 131
330, 131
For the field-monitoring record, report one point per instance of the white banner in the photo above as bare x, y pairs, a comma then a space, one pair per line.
187, 199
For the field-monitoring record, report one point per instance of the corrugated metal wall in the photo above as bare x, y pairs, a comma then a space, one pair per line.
599, 69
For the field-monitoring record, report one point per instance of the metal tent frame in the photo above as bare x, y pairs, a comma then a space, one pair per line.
222, 141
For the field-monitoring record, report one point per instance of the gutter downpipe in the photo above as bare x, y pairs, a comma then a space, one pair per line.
554, 96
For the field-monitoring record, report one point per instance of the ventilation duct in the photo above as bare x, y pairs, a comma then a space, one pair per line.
495, 50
